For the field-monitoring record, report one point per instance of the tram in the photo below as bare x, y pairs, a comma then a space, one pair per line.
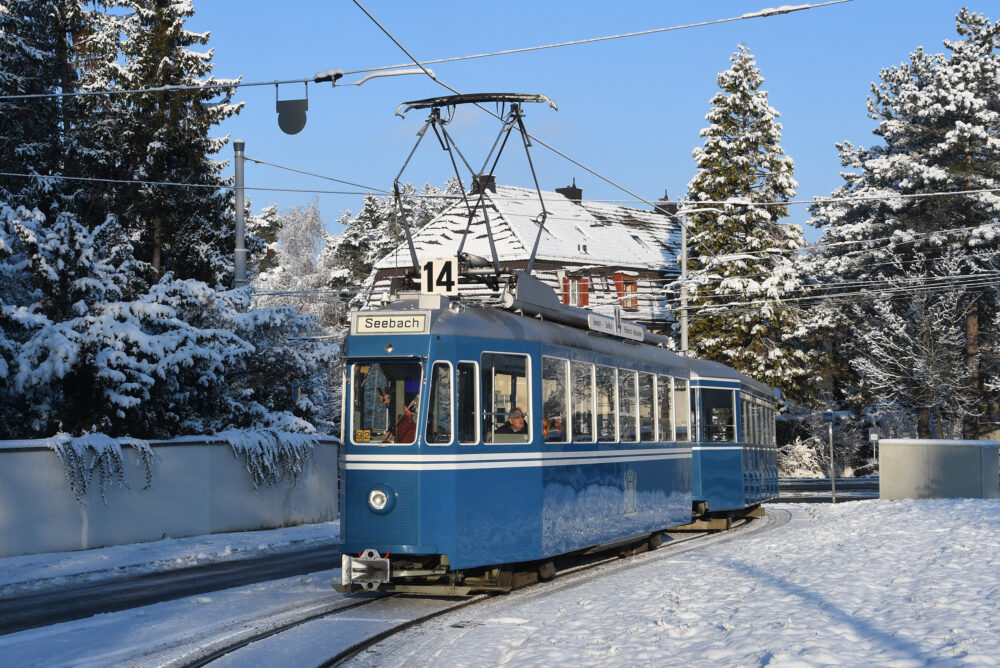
480, 443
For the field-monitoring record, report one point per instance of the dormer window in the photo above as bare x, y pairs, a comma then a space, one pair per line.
576, 290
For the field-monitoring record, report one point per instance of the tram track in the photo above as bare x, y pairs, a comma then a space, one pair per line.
320, 634
569, 579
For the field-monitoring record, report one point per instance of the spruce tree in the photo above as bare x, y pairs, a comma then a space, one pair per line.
30, 44
741, 257
938, 121
166, 137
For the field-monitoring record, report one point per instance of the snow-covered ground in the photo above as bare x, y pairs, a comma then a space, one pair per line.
895, 583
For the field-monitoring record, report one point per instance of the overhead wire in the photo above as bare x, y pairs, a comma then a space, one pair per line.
579, 164
319, 76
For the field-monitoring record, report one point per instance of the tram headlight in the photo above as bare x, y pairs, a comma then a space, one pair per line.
381, 499
378, 499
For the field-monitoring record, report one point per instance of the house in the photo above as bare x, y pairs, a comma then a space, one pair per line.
596, 255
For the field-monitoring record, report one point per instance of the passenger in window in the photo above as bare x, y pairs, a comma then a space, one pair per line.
553, 429
515, 423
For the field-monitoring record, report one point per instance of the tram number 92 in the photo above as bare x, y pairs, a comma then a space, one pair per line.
439, 277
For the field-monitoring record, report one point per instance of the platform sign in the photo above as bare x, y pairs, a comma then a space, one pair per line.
439, 277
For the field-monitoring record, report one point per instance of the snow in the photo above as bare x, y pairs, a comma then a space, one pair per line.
902, 583
614, 235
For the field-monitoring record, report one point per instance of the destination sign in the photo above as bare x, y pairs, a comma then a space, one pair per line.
390, 323
616, 327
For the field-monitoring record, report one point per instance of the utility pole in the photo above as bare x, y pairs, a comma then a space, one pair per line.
240, 260
829, 417
684, 290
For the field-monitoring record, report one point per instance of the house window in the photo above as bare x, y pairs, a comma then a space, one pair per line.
627, 288
576, 290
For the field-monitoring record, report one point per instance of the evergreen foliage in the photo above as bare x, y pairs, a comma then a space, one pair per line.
99, 349
188, 231
30, 39
741, 257
939, 123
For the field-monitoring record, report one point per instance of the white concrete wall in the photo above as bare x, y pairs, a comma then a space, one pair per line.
938, 469
197, 488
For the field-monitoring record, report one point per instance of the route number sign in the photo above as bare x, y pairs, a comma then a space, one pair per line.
439, 277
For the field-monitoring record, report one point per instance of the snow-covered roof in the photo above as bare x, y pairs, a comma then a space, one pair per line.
584, 233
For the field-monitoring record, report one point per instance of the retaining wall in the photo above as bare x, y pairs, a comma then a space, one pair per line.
912, 468
198, 487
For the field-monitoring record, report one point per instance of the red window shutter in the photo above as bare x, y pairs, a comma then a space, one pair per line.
620, 284
584, 291
565, 290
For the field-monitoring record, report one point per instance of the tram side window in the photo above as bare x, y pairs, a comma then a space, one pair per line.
627, 405
555, 399
744, 419
505, 392
647, 408
682, 408
770, 427
718, 420
760, 424
439, 405
607, 391
665, 407
583, 402
467, 405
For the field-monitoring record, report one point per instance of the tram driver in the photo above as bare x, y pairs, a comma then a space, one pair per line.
405, 429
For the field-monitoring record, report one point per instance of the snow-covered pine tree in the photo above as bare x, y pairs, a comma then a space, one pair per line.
741, 257
166, 137
30, 42
939, 122
89, 346
262, 239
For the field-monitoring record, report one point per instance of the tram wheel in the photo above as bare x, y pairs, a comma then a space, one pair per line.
547, 571
655, 541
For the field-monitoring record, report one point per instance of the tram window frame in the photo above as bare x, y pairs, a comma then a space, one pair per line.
647, 435
664, 389
613, 416
432, 390
490, 412
744, 417
591, 408
718, 403
682, 432
389, 419
624, 435
564, 436
461, 409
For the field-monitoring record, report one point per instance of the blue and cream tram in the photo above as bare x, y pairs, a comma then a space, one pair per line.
442, 483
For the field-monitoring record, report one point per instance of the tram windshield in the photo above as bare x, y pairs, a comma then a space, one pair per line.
386, 396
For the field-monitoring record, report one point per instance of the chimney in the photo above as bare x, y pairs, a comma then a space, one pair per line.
571, 193
483, 183
665, 206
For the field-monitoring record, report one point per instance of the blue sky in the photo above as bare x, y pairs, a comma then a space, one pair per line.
630, 109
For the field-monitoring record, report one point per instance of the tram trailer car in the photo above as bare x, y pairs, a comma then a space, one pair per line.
443, 489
